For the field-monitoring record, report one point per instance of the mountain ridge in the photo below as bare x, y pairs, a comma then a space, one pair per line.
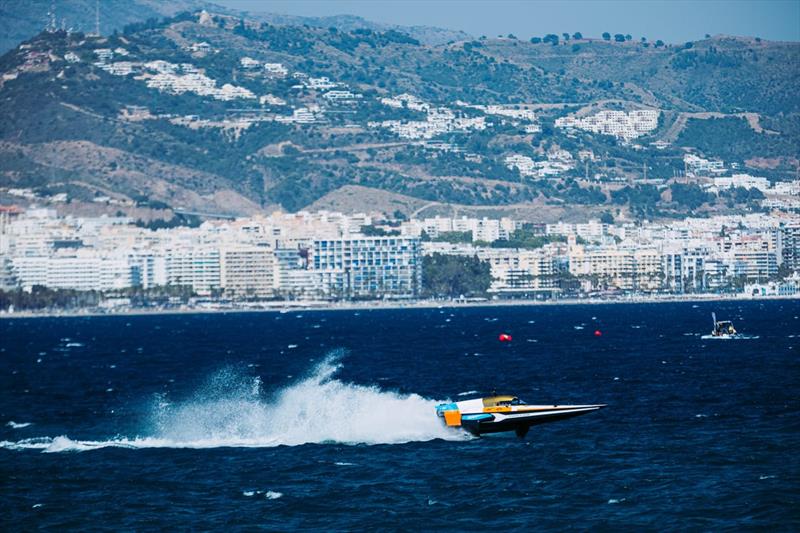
282, 140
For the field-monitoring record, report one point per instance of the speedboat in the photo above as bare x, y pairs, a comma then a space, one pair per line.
494, 414
722, 328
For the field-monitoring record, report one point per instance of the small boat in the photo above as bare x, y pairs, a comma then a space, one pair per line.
722, 328
495, 414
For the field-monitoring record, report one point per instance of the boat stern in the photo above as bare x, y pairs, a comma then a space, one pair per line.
450, 413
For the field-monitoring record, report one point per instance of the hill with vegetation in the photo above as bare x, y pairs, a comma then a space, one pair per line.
211, 112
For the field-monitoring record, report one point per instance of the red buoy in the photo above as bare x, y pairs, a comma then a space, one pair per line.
598, 333
504, 337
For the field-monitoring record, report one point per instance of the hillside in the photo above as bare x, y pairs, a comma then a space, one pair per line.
212, 112
19, 21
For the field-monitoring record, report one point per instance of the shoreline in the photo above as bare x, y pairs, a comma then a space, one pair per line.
286, 307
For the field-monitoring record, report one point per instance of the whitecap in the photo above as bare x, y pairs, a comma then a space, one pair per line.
17, 425
248, 493
614, 500
272, 495
467, 393
231, 411
762, 478
343, 464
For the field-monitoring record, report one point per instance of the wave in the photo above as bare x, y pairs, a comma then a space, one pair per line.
232, 411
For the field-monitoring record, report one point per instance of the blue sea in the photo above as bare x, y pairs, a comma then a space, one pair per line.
325, 420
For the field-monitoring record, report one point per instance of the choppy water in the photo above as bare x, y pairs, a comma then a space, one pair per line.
325, 420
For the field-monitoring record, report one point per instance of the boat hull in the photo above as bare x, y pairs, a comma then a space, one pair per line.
505, 413
522, 421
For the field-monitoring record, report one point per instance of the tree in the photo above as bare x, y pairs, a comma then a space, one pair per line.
375, 231
619, 37
659, 43
551, 38
527, 239
536, 40
690, 195
577, 35
643, 39
566, 36
688, 45
606, 36
454, 237
628, 37
606, 217
454, 276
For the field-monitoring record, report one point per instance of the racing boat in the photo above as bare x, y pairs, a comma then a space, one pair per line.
722, 328
495, 414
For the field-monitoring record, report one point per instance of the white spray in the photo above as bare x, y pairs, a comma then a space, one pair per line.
317, 409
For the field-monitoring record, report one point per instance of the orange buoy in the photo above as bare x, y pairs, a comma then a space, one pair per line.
598, 333
504, 337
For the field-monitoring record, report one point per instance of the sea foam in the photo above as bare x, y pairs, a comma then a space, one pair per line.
232, 411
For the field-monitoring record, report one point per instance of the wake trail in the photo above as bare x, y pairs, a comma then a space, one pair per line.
233, 412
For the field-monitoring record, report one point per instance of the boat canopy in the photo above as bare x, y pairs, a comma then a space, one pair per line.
497, 401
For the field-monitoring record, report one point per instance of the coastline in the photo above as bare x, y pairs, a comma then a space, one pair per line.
285, 307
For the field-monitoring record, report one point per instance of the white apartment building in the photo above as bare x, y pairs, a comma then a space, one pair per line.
197, 267
625, 125
83, 270
521, 271
367, 267
594, 230
482, 229
247, 271
742, 180
697, 166
626, 269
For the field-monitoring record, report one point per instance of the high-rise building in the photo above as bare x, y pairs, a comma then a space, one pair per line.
368, 267
247, 271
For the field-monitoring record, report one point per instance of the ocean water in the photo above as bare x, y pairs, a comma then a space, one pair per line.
325, 420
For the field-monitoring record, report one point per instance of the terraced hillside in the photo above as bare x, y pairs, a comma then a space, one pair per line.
211, 112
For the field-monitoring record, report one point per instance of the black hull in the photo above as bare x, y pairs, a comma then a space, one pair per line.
519, 425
